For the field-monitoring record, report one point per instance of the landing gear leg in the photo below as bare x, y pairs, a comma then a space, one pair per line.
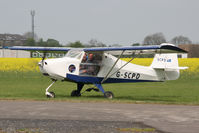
107, 94
76, 93
50, 94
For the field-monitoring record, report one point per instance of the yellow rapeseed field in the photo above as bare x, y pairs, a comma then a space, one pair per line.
19, 64
31, 64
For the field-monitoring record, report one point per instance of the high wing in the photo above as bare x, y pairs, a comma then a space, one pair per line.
163, 48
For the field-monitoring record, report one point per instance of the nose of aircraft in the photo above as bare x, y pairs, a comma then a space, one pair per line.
54, 68
42, 66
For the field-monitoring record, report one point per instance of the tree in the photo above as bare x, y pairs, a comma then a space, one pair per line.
41, 43
154, 39
30, 42
135, 44
76, 44
95, 43
181, 40
115, 45
52, 43
28, 35
48, 43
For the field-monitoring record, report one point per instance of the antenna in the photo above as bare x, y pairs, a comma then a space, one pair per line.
32, 13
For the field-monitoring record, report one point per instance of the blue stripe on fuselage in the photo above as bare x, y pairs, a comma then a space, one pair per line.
97, 80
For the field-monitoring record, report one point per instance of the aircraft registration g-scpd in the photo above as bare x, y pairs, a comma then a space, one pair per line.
98, 65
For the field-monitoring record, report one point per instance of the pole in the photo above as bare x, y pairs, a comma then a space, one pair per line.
32, 13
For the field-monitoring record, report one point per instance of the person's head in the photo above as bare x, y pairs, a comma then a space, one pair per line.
90, 56
84, 57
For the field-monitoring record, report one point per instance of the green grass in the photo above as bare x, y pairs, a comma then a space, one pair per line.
31, 86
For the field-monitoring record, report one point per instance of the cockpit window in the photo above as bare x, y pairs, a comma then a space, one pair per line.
74, 54
90, 64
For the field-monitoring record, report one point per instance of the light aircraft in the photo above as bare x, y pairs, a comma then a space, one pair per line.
99, 65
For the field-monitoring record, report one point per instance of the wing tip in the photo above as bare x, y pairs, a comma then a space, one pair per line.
170, 46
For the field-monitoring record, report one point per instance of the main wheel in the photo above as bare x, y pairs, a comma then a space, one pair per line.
108, 94
75, 93
52, 95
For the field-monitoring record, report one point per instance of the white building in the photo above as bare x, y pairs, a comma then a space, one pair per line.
6, 53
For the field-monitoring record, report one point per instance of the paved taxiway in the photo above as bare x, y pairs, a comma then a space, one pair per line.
108, 116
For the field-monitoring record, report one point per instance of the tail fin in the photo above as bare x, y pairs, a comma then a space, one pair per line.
167, 63
163, 61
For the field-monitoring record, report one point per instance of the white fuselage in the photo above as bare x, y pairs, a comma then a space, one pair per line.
60, 67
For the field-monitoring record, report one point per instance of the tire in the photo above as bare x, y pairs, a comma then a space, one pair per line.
52, 95
108, 94
75, 93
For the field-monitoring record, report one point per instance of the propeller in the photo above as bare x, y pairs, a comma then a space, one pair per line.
43, 58
41, 63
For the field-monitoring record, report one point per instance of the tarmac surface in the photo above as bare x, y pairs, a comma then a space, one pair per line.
67, 117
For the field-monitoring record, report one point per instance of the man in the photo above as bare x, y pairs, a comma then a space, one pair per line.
89, 67
84, 58
90, 58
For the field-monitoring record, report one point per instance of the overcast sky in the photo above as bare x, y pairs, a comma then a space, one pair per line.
110, 21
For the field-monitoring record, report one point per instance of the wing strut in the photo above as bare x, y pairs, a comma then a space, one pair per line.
106, 77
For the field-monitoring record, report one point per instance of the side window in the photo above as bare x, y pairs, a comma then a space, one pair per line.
72, 68
90, 64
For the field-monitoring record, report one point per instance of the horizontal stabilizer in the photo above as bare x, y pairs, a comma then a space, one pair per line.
171, 68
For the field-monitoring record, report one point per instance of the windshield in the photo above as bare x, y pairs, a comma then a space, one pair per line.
74, 53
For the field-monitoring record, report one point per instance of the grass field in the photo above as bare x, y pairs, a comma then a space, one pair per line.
31, 86
20, 79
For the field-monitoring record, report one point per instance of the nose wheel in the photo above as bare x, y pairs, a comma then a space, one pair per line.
50, 94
